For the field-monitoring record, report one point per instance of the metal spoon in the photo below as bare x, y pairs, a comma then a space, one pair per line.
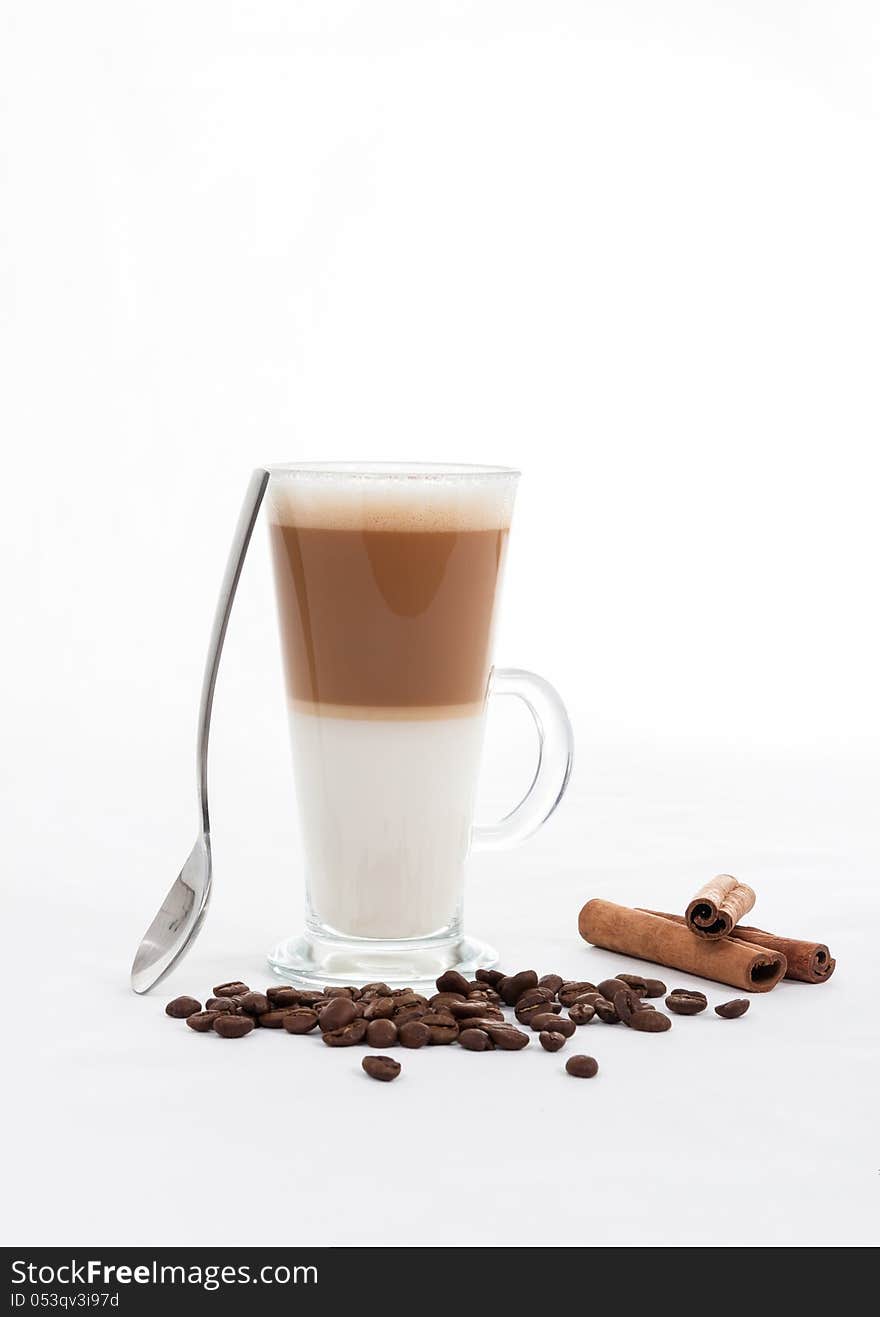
183, 911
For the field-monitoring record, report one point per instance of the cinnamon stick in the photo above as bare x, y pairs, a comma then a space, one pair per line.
808, 962
668, 941
718, 906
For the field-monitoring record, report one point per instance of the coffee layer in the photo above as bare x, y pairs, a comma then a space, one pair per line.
387, 618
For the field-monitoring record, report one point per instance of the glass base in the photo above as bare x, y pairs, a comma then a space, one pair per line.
310, 960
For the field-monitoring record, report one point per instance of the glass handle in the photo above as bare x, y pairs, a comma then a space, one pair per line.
555, 755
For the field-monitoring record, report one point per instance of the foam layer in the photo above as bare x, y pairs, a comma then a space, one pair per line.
388, 498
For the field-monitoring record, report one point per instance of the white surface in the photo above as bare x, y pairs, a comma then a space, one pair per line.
628, 248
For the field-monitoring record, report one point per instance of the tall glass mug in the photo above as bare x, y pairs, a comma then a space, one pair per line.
387, 578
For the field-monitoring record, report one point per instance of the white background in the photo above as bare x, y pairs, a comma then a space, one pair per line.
628, 247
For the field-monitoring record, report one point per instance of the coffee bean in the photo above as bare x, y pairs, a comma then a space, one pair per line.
494, 998
535, 997
221, 1004
347, 1035
571, 990
491, 976
606, 1011
513, 987
408, 1013
234, 989
232, 1026
254, 1003
413, 1034
381, 1033
582, 1067
379, 1008
508, 1038
302, 997
443, 1027
626, 1003
202, 1021
649, 1022
608, 987
555, 1023
375, 990
681, 1001
410, 998
525, 1014
339, 992
655, 988
551, 1040
286, 996
383, 1068
181, 1007
452, 981
635, 982
732, 1010
297, 1020
441, 999
581, 1012
338, 1013
275, 1019
474, 1040
464, 1010
552, 981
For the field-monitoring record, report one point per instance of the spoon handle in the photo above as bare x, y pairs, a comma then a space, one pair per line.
247, 519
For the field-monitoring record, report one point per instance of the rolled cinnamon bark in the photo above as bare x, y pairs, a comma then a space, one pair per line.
808, 962
671, 943
718, 906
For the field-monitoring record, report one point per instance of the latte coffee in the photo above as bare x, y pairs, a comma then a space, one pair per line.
386, 584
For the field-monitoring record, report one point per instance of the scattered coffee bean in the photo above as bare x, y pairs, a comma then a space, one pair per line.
606, 1011
220, 1004
507, 1038
282, 996
681, 1001
655, 988
339, 992
513, 987
339, 1012
381, 1033
181, 1007
375, 990
649, 1022
275, 1019
443, 999
379, 1008
465, 1010
234, 989
582, 1012
232, 1026
408, 1013
491, 976
452, 981
254, 1003
552, 981
608, 987
525, 1014
582, 1067
297, 1020
474, 1040
413, 1034
571, 990
202, 1021
555, 1023
732, 1010
383, 1068
347, 1035
626, 1003
410, 998
534, 997
635, 982
551, 1040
